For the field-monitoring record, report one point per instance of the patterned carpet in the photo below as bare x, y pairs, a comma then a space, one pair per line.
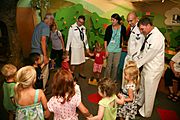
164, 109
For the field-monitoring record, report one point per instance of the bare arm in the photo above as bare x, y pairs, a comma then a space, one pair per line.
172, 68
91, 54
130, 96
84, 110
43, 46
100, 114
121, 100
44, 104
105, 47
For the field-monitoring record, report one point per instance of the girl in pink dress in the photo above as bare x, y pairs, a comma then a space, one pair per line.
65, 100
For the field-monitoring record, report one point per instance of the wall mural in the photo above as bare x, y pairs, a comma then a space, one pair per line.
172, 17
95, 24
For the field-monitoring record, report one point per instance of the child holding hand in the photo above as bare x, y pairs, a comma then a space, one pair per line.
99, 55
108, 104
31, 103
131, 86
65, 99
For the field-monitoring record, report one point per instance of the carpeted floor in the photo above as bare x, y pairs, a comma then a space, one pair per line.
164, 109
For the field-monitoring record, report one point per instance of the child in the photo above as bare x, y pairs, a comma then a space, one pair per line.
131, 85
9, 72
57, 45
98, 63
108, 105
77, 87
35, 61
65, 100
30, 102
65, 62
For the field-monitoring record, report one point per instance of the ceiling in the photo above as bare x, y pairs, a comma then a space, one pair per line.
174, 1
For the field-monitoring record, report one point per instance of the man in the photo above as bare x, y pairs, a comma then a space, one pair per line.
77, 40
135, 40
152, 60
173, 73
39, 43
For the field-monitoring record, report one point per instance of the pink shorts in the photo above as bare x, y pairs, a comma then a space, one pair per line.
97, 68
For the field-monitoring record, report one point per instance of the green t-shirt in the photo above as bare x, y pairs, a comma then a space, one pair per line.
109, 111
8, 90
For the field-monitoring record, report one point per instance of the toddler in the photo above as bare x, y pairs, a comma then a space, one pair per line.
31, 103
65, 100
9, 71
98, 63
108, 105
65, 62
131, 85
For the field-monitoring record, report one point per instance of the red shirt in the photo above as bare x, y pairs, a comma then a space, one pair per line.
99, 56
65, 65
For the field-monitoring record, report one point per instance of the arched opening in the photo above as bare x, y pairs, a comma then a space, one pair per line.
4, 42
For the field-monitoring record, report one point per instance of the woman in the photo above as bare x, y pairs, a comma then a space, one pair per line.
114, 36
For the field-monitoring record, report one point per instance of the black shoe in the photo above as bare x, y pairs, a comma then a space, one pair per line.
138, 114
138, 107
97, 79
82, 76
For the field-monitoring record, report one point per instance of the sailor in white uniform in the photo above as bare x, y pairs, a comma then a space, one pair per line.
77, 40
135, 41
151, 59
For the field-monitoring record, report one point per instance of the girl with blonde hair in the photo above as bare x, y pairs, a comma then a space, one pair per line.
30, 103
131, 86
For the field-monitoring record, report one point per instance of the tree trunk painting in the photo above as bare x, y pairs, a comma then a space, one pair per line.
8, 16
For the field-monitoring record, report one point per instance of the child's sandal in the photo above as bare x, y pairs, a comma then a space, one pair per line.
175, 98
171, 96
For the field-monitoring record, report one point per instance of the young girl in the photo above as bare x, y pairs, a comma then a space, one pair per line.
108, 105
131, 85
57, 45
65, 66
65, 100
98, 63
65, 62
30, 102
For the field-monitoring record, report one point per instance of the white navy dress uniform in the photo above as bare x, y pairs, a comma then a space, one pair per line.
135, 42
152, 60
77, 43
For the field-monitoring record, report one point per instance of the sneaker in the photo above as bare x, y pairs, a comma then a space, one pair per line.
52, 68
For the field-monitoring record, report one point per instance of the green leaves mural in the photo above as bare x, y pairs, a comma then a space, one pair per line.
67, 16
175, 39
95, 24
